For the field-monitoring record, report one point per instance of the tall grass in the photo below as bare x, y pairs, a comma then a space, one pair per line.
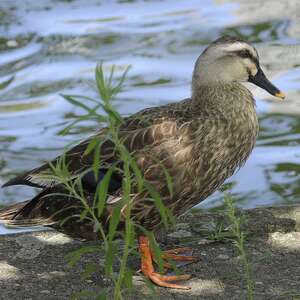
132, 182
239, 241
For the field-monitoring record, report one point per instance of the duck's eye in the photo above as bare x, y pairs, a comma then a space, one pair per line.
244, 54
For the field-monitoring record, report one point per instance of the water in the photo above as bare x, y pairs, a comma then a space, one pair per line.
50, 47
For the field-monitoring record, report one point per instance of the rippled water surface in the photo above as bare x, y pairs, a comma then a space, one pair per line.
52, 47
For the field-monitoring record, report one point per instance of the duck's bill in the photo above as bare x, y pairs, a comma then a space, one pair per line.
262, 81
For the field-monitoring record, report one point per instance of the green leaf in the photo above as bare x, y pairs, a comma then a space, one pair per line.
128, 279
168, 178
101, 296
83, 214
73, 101
119, 86
100, 82
106, 88
102, 191
131, 233
96, 160
156, 250
74, 256
114, 221
110, 254
162, 209
67, 129
84, 98
91, 146
115, 116
137, 173
110, 78
80, 295
89, 269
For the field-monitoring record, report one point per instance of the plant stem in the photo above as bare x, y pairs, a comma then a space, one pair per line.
240, 244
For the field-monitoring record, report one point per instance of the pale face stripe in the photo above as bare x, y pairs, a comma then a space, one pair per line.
239, 46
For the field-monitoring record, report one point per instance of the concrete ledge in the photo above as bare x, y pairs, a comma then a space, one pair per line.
33, 265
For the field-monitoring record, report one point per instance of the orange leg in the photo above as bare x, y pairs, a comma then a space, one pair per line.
149, 272
172, 255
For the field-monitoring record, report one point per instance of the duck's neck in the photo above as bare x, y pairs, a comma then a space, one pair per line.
226, 97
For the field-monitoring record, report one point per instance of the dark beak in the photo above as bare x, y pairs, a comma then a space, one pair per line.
262, 81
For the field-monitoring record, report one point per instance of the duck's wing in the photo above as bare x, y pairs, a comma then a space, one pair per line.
44, 177
139, 133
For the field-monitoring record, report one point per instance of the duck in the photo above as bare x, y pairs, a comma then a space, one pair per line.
201, 141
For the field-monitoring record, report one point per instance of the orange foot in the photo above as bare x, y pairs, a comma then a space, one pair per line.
185, 251
148, 269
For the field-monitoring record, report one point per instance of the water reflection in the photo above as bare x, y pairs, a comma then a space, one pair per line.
51, 47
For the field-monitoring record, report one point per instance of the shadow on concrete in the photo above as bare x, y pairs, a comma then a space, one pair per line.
33, 265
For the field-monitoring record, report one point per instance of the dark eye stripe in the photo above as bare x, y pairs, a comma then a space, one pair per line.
244, 54
247, 54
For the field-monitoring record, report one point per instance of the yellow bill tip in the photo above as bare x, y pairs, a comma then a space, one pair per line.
280, 95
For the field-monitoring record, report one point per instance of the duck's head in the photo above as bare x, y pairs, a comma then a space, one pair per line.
230, 59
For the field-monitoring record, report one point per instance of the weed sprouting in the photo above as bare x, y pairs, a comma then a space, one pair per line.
239, 241
132, 181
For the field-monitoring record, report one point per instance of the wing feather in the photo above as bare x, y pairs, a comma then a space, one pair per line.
136, 138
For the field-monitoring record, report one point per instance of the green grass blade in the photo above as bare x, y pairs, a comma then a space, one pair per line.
73, 101
114, 222
102, 191
158, 203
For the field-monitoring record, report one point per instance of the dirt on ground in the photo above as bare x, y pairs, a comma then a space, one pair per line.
34, 265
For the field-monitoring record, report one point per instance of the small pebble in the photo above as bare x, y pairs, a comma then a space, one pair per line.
58, 239
236, 259
45, 292
138, 281
205, 242
57, 273
223, 256
289, 240
180, 234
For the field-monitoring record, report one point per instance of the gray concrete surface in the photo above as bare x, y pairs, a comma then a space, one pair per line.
33, 265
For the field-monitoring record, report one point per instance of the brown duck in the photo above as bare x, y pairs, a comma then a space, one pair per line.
201, 141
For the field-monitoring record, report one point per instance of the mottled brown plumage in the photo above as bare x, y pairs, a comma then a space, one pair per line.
201, 141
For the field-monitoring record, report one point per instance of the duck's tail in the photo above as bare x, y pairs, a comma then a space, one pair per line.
9, 213
14, 216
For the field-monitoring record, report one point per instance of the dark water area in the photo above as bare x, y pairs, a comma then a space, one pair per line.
48, 48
